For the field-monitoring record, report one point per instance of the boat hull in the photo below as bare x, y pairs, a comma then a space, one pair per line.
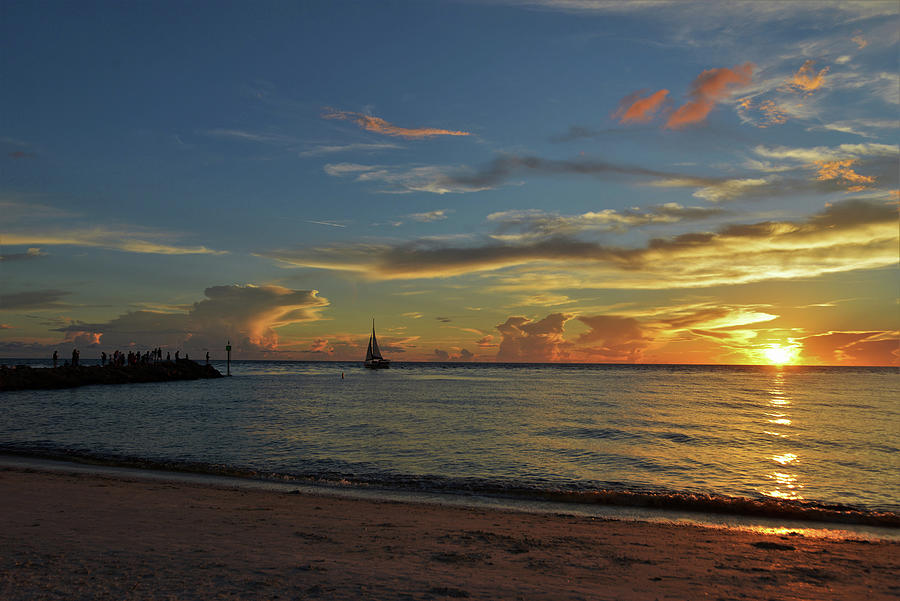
378, 364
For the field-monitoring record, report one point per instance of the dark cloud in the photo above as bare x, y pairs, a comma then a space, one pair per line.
461, 355
443, 319
31, 253
34, 299
853, 234
503, 168
245, 315
21, 154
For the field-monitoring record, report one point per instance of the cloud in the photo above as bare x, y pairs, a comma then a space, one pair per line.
33, 299
854, 348
323, 150
842, 171
710, 87
250, 136
539, 223
402, 179
246, 315
380, 126
867, 128
860, 41
5, 326
21, 154
614, 339
430, 216
732, 188
124, 238
848, 235
503, 168
452, 355
634, 109
31, 253
806, 80
828, 153
526, 340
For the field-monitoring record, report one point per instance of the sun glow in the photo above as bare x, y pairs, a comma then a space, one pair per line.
777, 354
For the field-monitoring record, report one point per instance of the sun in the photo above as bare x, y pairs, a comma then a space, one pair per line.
777, 354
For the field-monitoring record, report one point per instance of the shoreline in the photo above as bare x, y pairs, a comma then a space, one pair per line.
65, 535
148, 471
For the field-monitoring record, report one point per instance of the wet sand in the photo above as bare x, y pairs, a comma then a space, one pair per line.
83, 536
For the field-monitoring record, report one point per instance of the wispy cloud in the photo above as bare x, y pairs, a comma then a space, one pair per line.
850, 235
328, 223
380, 126
827, 153
403, 179
127, 239
539, 223
252, 136
429, 216
360, 147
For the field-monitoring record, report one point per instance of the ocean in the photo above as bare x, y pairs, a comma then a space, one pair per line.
809, 443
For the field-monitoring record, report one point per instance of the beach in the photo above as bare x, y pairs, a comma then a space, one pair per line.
91, 536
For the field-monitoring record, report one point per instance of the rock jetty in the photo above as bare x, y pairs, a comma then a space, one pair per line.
23, 377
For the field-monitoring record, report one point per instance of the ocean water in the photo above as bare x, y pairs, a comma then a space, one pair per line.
815, 443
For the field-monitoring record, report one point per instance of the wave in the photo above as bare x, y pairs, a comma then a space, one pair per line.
614, 494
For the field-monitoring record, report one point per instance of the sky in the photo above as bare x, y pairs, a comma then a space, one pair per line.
516, 181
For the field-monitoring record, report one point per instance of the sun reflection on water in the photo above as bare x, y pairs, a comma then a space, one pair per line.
784, 484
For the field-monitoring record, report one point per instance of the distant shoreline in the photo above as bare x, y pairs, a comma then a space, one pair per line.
24, 377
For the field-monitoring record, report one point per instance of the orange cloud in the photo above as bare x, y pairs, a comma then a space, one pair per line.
854, 348
860, 41
774, 115
708, 88
380, 126
523, 339
633, 109
841, 170
806, 80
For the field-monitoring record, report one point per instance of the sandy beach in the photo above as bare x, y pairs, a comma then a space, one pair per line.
78, 536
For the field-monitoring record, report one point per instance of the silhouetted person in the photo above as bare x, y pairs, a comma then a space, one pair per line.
168, 356
74, 357
176, 355
55, 358
207, 357
103, 358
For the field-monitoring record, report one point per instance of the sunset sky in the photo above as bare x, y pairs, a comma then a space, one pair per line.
546, 180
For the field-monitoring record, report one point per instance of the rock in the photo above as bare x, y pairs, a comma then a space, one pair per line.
23, 377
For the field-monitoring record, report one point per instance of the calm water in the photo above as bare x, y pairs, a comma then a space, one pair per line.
826, 435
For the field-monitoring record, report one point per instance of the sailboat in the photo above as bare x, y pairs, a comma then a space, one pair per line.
374, 360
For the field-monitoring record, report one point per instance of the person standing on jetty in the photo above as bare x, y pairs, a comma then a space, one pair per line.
75, 354
55, 358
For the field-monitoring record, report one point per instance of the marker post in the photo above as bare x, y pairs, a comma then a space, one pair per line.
228, 350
